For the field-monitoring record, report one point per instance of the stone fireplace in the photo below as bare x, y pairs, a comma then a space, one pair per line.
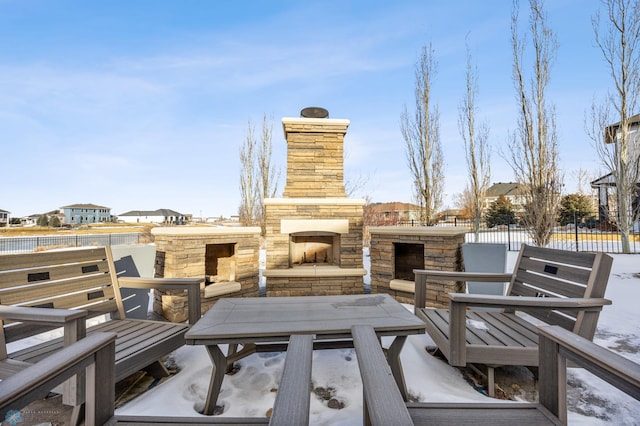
314, 232
226, 257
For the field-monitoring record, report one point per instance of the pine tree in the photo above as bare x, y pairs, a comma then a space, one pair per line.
500, 212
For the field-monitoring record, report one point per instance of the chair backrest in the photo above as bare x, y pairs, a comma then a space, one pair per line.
485, 257
68, 279
545, 272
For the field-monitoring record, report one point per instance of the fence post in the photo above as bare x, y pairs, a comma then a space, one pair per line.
575, 226
509, 234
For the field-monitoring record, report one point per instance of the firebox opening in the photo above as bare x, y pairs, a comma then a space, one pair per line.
407, 257
220, 263
314, 248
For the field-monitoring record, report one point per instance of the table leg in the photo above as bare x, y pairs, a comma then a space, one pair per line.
231, 351
217, 375
393, 358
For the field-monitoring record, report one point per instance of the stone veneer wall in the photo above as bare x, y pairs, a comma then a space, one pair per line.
180, 253
315, 157
442, 251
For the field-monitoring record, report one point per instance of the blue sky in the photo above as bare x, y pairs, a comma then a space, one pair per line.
141, 105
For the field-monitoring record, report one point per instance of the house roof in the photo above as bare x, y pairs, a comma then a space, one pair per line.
611, 130
4, 211
158, 212
503, 188
84, 206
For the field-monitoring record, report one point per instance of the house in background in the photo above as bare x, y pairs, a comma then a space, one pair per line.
164, 216
86, 213
606, 182
512, 191
4, 218
380, 214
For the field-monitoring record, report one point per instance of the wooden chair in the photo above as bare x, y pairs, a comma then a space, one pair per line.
553, 286
37, 290
94, 356
383, 403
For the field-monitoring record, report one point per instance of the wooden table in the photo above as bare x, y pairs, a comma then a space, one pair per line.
262, 324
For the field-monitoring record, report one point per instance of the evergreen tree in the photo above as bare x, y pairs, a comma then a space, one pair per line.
500, 212
43, 220
54, 221
578, 205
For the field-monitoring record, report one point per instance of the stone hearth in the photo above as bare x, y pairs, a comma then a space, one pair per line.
314, 233
227, 257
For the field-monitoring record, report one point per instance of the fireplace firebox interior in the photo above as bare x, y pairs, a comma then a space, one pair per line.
220, 264
407, 257
314, 249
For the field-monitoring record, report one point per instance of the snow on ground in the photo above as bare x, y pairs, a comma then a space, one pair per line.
250, 391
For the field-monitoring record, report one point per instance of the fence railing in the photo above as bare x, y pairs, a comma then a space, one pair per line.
579, 235
10, 245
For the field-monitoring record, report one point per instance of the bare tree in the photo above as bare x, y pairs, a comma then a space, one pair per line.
618, 148
464, 202
476, 145
268, 173
533, 151
421, 134
248, 178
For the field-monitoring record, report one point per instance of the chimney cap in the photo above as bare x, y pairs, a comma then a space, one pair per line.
314, 112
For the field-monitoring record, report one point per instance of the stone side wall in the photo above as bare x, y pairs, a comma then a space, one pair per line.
315, 157
183, 256
442, 251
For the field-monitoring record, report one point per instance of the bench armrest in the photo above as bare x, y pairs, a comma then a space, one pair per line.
192, 285
528, 302
36, 381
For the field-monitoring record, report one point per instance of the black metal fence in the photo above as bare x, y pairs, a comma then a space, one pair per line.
580, 235
10, 245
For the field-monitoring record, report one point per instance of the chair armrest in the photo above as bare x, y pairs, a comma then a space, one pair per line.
192, 285
293, 397
420, 294
558, 345
36, 381
466, 276
161, 283
383, 402
484, 300
50, 316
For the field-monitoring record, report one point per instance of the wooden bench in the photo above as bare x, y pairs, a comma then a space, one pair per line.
383, 403
96, 353
556, 287
38, 289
